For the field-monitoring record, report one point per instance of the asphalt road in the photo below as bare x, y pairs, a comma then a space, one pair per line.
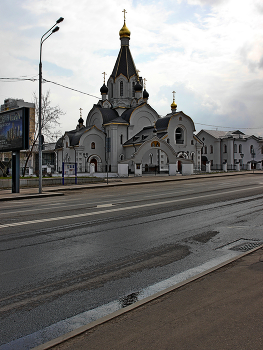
60, 257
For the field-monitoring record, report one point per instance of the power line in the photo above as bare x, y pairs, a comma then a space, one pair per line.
45, 81
66, 87
22, 78
229, 127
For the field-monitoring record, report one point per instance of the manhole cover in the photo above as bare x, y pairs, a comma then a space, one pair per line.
245, 247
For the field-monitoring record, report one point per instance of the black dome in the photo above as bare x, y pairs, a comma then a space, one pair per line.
145, 94
104, 89
81, 121
138, 87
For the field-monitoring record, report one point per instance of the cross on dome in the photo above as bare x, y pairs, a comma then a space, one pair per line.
104, 76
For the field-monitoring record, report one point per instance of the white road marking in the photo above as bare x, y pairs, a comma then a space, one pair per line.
121, 208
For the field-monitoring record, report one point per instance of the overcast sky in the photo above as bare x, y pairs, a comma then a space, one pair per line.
209, 51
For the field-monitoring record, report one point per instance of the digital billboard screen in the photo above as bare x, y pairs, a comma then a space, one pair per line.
14, 129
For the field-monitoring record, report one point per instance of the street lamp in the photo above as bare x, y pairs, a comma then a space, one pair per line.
43, 38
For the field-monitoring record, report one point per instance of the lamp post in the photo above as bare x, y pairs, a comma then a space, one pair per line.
40, 139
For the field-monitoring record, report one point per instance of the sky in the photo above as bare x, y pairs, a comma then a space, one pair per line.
209, 51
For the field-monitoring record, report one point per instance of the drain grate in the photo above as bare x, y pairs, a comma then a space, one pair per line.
245, 247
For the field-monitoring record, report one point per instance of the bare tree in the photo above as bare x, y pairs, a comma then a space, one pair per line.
49, 124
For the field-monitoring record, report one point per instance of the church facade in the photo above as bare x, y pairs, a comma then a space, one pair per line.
123, 133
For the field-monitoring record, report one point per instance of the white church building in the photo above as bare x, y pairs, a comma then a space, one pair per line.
123, 134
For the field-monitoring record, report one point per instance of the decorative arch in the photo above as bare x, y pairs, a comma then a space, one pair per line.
156, 143
96, 160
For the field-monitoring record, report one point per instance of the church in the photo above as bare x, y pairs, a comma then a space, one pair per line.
123, 134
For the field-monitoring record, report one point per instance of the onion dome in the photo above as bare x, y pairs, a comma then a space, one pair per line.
80, 121
145, 94
173, 105
124, 32
137, 87
104, 89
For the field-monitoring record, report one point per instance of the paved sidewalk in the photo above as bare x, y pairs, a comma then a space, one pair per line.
218, 310
32, 192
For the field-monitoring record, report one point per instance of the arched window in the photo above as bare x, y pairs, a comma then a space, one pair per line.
168, 140
211, 149
225, 148
92, 145
252, 149
240, 148
179, 136
205, 152
235, 148
122, 157
133, 91
151, 158
121, 88
121, 139
111, 84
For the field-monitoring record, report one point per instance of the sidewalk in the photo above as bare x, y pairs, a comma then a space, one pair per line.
220, 309
33, 192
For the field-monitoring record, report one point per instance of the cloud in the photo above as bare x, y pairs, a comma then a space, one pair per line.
209, 52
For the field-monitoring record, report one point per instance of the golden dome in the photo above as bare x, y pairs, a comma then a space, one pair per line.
124, 32
173, 105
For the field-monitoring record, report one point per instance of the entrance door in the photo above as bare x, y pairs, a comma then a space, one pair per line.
179, 166
94, 161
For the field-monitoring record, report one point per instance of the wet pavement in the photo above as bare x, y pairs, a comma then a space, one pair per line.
219, 309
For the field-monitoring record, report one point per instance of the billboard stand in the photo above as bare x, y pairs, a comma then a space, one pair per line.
15, 171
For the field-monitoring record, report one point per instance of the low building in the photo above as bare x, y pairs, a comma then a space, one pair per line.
231, 148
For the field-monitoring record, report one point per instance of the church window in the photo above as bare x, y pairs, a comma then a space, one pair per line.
111, 84
121, 88
240, 148
133, 91
252, 149
92, 145
179, 136
205, 152
151, 158
211, 149
192, 142
121, 139
122, 157
225, 148
235, 148
168, 140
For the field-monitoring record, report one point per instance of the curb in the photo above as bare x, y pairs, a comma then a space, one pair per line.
28, 196
136, 305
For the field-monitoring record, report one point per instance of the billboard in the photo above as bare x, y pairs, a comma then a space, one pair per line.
14, 130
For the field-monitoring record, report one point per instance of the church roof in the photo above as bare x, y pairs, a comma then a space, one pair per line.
127, 114
145, 134
118, 120
108, 114
124, 64
162, 123
75, 135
